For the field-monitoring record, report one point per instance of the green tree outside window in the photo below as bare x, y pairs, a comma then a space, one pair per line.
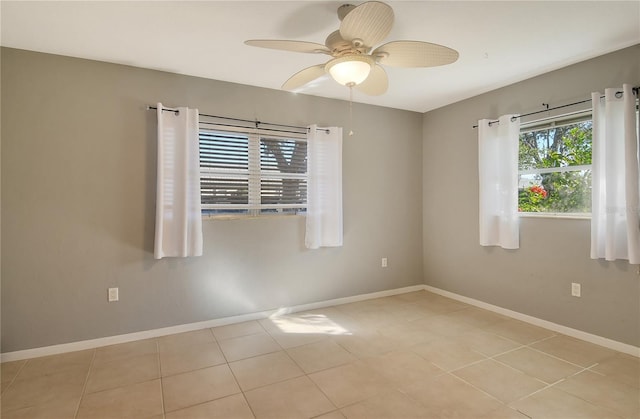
547, 158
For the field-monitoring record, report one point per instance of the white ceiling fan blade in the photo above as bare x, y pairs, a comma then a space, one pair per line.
370, 22
414, 54
285, 45
303, 77
376, 83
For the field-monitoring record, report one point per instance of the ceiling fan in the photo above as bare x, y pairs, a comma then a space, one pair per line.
355, 63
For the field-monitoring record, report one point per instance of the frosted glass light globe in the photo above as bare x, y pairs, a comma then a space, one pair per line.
350, 70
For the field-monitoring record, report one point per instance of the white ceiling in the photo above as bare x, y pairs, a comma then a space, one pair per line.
499, 42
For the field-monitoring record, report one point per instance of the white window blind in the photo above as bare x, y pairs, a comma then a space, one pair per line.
283, 173
252, 173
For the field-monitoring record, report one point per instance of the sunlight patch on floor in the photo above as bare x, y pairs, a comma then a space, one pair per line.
308, 323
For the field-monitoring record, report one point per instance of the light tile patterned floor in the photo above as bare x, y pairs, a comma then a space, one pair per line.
415, 355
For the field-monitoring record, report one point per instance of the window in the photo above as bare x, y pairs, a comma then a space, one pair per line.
554, 163
252, 174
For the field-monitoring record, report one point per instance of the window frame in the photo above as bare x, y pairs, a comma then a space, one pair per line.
254, 174
549, 123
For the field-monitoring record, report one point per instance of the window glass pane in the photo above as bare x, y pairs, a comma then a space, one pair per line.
224, 190
564, 192
287, 157
283, 155
551, 152
207, 211
283, 210
283, 191
220, 151
568, 145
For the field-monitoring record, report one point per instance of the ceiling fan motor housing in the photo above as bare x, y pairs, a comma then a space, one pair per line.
339, 46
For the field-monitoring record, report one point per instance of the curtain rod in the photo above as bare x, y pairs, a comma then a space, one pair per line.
262, 129
547, 108
256, 122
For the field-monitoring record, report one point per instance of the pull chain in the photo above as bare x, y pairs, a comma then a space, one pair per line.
351, 109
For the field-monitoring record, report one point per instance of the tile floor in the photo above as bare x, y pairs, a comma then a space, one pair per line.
415, 355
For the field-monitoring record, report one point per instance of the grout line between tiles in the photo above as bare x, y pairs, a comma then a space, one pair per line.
244, 396
590, 369
486, 358
224, 356
161, 378
548, 385
457, 368
521, 412
478, 388
520, 343
583, 369
521, 372
590, 402
478, 352
553, 356
14, 377
508, 350
544, 339
209, 401
212, 334
586, 400
323, 393
84, 385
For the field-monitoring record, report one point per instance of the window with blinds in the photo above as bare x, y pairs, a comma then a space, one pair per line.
252, 174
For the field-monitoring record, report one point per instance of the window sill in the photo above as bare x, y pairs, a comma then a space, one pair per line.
557, 215
247, 216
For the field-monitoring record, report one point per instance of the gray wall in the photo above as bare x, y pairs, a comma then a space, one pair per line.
78, 196
536, 279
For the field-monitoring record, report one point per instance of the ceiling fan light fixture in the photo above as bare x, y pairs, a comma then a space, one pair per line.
356, 63
350, 70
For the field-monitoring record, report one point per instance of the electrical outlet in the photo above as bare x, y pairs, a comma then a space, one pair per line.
384, 262
575, 289
113, 294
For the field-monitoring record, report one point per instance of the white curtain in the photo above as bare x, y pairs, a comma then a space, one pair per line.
324, 187
498, 176
178, 208
615, 213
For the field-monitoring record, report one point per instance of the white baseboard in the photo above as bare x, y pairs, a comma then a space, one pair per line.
575, 333
129, 337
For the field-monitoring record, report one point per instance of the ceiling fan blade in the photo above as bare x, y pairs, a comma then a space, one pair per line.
370, 22
414, 54
285, 45
303, 77
376, 84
